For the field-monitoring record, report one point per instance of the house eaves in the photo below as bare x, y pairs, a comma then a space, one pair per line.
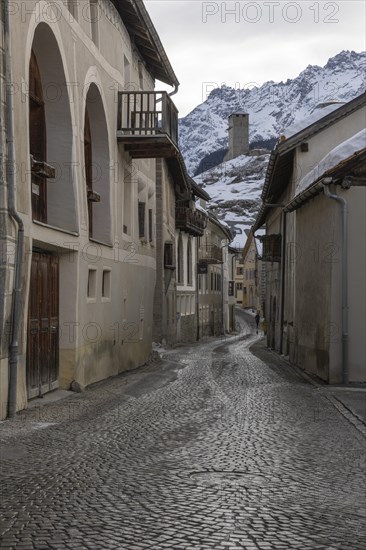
281, 160
322, 123
223, 227
247, 245
349, 172
146, 39
181, 178
199, 192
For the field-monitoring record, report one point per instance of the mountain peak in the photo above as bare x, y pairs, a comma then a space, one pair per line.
272, 107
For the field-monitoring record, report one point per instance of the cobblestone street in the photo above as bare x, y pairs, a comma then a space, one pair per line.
219, 446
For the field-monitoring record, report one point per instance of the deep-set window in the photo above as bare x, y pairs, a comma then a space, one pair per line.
141, 218
189, 262
180, 274
168, 255
150, 225
94, 21
37, 140
106, 283
92, 283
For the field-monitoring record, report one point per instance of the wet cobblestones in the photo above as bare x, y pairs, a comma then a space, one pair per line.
215, 449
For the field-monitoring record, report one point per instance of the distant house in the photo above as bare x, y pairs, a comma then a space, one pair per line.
314, 210
252, 277
213, 277
191, 224
238, 278
178, 224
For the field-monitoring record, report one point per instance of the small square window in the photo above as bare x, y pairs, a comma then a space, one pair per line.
92, 283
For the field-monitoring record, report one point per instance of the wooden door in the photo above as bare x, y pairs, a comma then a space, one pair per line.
43, 325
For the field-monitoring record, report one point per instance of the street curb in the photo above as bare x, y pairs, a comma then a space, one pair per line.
347, 413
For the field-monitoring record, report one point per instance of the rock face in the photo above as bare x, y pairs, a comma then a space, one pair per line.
272, 107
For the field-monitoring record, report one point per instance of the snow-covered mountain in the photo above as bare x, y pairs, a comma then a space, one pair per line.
272, 107
235, 187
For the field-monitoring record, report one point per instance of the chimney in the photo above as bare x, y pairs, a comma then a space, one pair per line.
238, 135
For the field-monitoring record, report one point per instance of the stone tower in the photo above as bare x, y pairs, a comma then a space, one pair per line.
238, 135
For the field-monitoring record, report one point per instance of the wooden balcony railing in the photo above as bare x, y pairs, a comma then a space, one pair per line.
210, 253
147, 124
271, 248
191, 221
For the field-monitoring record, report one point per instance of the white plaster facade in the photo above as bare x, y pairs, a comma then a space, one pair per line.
107, 278
304, 307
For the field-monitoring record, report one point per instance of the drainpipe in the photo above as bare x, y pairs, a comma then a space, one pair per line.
174, 91
10, 174
283, 274
343, 202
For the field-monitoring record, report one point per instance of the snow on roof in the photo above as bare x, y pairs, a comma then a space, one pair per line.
319, 112
334, 157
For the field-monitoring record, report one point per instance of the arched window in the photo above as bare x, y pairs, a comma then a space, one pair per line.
73, 8
97, 167
88, 155
94, 19
189, 262
180, 276
50, 135
37, 140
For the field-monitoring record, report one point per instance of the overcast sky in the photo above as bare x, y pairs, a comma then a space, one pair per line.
242, 43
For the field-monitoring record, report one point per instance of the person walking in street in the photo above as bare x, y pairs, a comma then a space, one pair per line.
257, 319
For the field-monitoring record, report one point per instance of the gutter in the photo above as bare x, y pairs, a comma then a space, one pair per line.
10, 174
175, 91
345, 336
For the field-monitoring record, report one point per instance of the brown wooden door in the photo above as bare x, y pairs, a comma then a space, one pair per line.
43, 323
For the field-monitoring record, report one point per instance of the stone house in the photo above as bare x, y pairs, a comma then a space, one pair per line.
252, 276
191, 222
79, 268
213, 278
238, 278
178, 224
314, 248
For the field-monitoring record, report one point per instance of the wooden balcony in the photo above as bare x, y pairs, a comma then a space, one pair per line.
271, 248
191, 221
147, 124
210, 254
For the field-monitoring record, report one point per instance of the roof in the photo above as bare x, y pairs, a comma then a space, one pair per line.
198, 191
342, 151
281, 161
143, 33
223, 226
353, 166
322, 123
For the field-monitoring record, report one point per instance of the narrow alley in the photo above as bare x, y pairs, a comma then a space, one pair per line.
220, 445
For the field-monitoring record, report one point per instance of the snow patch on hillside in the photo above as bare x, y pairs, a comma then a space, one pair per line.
235, 187
273, 107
